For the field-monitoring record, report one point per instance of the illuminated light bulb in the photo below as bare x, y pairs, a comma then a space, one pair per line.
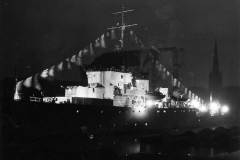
195, 104
203, 108
214, 108
224, 109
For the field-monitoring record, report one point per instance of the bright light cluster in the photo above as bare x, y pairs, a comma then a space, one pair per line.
214, 108
195, 104
140, 110
203, 108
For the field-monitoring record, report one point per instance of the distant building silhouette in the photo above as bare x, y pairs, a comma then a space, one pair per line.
215, 77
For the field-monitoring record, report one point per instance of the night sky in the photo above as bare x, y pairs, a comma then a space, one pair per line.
36, 34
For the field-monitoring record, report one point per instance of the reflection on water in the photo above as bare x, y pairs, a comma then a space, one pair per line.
219, 143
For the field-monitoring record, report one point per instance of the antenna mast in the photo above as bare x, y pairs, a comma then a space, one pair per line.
123, 25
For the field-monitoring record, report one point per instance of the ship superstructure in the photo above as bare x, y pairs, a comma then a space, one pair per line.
122, 87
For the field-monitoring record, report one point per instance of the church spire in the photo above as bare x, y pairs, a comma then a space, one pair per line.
215, 76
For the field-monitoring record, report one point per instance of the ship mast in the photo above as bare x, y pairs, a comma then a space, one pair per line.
123, 25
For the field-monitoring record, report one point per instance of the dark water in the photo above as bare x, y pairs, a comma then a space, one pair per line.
215, 144
28, 142
206, 144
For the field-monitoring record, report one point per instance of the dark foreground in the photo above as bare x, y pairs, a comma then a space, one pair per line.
37, 138
216, 144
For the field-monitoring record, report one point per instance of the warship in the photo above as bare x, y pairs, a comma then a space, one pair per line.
123, 87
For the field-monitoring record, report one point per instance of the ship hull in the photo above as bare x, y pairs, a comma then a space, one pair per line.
41, 118
78, 128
